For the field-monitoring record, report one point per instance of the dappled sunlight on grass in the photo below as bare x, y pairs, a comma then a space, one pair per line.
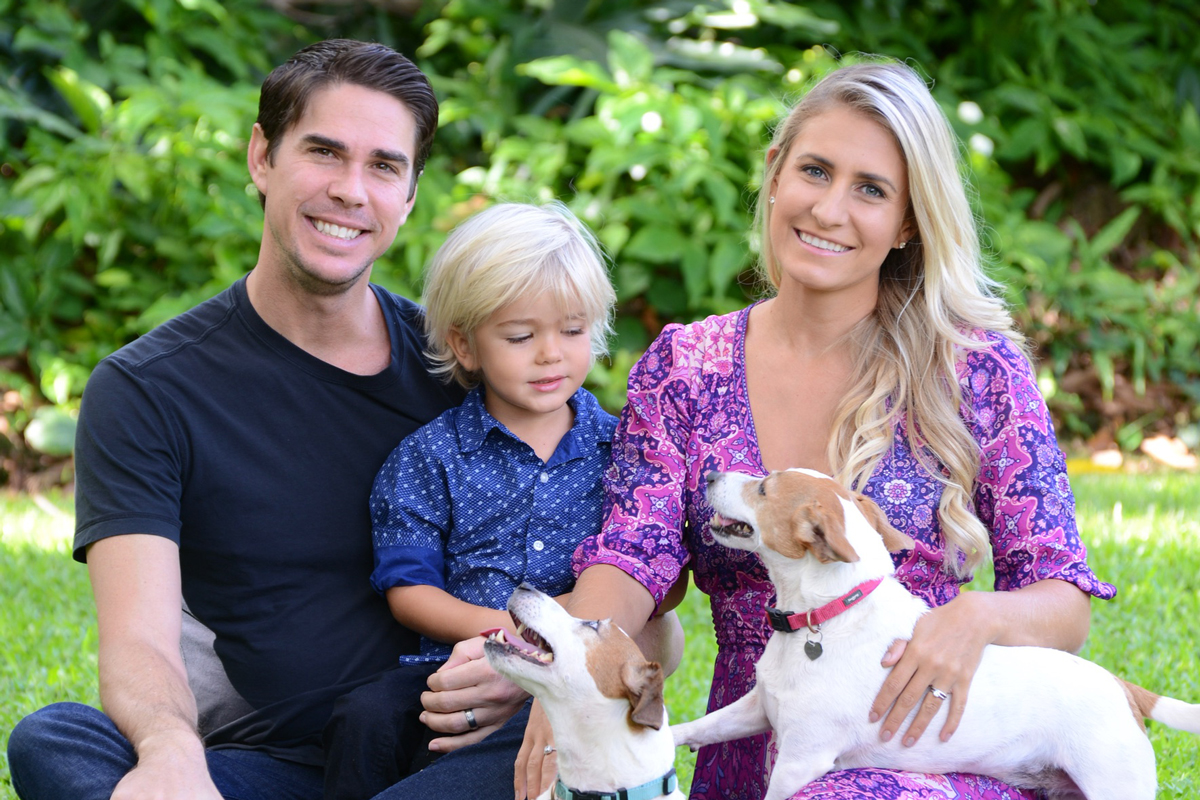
1158, 509
45, 522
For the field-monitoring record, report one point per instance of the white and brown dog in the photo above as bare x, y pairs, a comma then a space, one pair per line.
1037, 718
603, 699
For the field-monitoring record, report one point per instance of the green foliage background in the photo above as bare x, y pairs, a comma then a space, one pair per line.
124, 197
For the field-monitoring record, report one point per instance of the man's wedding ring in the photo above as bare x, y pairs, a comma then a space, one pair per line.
470, 715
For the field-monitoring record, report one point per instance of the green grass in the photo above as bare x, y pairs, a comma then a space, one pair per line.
1143, 533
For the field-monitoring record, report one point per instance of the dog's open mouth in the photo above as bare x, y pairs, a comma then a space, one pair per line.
726, 526
529, 644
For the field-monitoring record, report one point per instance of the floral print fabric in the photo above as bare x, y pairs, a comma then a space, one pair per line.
688, 414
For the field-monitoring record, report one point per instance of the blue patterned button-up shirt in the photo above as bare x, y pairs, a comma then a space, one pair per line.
464, 505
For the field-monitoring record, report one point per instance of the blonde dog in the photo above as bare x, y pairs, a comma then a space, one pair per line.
603, 699
1037, 718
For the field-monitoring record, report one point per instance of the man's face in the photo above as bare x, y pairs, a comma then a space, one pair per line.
337, 186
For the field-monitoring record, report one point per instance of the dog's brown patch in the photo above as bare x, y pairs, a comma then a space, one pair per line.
623, 673
798, 513
1141, 701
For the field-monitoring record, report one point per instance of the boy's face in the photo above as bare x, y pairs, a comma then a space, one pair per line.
533, 356
337, 187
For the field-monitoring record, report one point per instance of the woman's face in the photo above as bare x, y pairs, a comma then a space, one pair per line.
841, 204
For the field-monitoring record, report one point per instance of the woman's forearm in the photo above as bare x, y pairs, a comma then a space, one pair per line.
607, 592
1049, 613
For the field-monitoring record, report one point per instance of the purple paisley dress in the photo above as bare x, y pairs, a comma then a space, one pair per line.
688, 413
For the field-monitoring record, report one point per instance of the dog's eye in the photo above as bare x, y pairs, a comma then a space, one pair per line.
594, 624
762, 488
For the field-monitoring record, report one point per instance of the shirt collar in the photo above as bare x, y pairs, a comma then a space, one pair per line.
473, 423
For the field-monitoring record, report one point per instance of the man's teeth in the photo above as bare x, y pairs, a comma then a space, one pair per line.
336, 231
821, 243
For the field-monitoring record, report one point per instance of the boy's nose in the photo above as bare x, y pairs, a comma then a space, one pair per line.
551, 349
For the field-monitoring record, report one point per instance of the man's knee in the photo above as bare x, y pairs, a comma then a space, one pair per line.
63, 745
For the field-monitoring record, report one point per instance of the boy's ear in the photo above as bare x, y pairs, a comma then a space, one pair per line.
461, 345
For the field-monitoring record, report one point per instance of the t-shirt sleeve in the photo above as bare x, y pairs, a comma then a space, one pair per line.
643, 510
1023, 495
410, 518
130, 457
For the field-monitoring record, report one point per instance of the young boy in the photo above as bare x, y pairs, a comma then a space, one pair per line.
497, 491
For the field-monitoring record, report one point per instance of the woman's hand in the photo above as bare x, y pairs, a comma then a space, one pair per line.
535, 768
467, 682
944, 652
947, 646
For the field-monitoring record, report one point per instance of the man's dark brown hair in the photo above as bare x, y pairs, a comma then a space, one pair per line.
286, 91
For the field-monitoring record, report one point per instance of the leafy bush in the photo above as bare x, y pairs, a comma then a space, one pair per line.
124, 197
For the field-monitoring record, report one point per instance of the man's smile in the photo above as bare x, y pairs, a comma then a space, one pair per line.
336, 231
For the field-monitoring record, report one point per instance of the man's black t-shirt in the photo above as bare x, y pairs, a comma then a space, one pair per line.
257, 459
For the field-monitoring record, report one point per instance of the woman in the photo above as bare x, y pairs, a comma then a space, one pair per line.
883, 360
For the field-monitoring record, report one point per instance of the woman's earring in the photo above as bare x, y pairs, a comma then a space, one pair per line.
902, 245
772, 199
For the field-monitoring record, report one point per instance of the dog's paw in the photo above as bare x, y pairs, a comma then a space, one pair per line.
680, 734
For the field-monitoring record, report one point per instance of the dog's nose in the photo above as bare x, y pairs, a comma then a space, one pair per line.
711, 476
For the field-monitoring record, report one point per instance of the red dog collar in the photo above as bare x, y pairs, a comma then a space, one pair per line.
789, 622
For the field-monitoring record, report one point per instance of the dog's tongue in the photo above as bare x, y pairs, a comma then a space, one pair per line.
722, 522
510, 638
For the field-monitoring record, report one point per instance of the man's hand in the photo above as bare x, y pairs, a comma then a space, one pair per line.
170, 767
467, 681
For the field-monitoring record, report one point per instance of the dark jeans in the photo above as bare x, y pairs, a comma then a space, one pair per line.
69, 751
374, 737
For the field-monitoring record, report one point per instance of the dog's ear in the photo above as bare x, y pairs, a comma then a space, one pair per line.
644, 687
893, 540
828, 531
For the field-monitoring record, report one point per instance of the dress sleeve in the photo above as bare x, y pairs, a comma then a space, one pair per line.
1023, 495
643, 511
410, 518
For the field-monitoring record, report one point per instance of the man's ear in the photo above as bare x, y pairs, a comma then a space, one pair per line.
257, 160
412, 198
460, 345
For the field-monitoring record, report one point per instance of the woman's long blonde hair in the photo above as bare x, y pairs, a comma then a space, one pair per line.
933, 296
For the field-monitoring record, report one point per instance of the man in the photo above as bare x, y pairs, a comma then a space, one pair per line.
225, 459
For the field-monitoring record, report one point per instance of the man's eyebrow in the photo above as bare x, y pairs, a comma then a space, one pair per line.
825, 162
323, 141
318, 140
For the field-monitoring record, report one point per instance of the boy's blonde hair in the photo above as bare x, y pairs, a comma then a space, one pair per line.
933, 298
506, 252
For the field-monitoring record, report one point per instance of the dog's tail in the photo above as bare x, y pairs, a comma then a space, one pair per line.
1167, 710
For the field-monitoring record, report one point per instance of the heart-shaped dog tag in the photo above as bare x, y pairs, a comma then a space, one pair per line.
813, 650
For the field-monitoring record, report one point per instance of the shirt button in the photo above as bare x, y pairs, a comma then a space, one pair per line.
538, 545
543, 477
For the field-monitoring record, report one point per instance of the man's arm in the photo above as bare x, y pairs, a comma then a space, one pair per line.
143, 683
